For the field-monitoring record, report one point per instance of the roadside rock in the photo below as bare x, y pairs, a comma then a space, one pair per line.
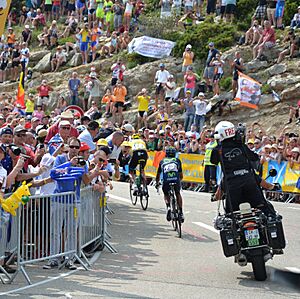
44, 64
280, 82
291, 93
277, 69
75, 60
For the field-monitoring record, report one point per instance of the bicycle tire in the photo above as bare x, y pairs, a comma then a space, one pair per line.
144, 199
132, 197
178, 229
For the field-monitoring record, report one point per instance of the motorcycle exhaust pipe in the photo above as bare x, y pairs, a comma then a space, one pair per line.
242, 260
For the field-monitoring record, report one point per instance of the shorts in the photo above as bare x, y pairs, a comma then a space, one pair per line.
42, 101
209, 72
223, 8
142, 113
55, 8
114, 81
159, 88
48, 7
138, 157
217, 77
91, 11
99, 13
235, 76
127, 14
279, 9
79, 4
168, 99
269, 45
166, 187
260, 12
211, 6
3, 66
15, 63
84, 46
119, 104
94, 45
230, 9
71, 7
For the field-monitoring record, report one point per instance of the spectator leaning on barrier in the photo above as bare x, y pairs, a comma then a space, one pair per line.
89, 134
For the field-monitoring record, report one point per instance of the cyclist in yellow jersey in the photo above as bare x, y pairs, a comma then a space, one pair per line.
139, 157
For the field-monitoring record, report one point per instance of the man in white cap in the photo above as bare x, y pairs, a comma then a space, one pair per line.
160, 79
200, 111
53, 130
188, 57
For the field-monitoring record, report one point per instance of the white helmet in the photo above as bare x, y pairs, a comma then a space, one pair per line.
224, 130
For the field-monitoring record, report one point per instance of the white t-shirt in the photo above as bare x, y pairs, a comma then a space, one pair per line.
219, 65
162, 76
200, 107
24, 52
170, 93
86, 137
3, 178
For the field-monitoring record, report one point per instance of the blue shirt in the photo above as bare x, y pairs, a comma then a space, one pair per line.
74, 85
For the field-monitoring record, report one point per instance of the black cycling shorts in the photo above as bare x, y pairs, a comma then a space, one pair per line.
138, 157
166, 187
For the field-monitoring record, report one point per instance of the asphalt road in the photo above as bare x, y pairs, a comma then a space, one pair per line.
152, 262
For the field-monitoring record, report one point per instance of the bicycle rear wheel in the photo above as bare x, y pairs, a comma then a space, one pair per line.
132, 197
178, 227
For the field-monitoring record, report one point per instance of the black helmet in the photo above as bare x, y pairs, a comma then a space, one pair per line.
171, 152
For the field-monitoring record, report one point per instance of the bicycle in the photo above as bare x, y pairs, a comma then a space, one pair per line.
176, 223
142, 191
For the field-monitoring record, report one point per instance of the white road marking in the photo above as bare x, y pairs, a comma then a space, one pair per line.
209, 227
119, 198
293, 269
50, 279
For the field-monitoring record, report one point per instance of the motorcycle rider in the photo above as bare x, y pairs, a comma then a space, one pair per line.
241, 183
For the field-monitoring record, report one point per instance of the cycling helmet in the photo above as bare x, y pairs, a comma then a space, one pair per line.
135, 136
224, 130
171, 152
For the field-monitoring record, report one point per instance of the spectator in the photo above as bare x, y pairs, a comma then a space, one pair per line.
161, 118
39, 113
11, 38
261, 11
165, 11
94, 89
188, 20
114, 143
118, 9
108, 5
58, 59
236, 66
292, 46
267, 40
110, 47
39, 20
53, 34
189, 109
74, 85
218, 64
84, 41
176, 8
170, 93
43, 94
143, 100
29, 104
160, 80
271, 7
193, 132
95, 34
295, 22
188, 57
128, 14
109, 100
56, 9
4, 59
118, 70
190, 80
24, 60
92, 5
200, 111
43, 37
230, 10
80, 7
210, 7
209, 70
120, 92
48, 10
253, 34
294, 112
89, 134
279, 13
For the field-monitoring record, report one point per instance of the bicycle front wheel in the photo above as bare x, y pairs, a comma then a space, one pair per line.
132, 197
144, 198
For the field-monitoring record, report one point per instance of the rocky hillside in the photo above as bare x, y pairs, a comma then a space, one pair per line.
284, 78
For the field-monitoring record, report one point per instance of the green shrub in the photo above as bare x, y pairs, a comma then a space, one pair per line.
266, 88
225, 83
290, 9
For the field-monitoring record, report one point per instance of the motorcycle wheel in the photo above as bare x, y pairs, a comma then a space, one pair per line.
259, 268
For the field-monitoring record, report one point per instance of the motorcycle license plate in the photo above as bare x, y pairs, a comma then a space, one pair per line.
252, 237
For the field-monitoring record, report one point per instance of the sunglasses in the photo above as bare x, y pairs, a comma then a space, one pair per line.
101, 160
65, 128
74, 146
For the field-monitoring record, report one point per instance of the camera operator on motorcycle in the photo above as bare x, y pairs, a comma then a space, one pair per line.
241, 182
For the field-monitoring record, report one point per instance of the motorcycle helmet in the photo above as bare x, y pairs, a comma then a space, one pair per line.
224, 130
171, 152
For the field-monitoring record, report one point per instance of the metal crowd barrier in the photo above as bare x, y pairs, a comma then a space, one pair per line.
54, 227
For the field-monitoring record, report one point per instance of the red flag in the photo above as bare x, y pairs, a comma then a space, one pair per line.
21, 91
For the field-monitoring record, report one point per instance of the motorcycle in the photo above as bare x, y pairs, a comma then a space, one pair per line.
251, 237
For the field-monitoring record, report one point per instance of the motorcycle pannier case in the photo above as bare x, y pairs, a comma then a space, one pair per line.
276, 234
229, 242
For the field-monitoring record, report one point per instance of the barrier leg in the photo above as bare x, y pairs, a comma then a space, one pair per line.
81, 262
25, 275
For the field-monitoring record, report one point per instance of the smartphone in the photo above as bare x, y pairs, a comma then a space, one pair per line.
112, 161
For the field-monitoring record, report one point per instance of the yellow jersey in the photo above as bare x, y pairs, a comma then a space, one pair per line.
143, 103
137, 144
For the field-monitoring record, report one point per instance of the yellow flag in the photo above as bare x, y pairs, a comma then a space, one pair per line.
4, 9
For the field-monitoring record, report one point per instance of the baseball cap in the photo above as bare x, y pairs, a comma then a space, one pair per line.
93, 75
250, 141
168, 127
102, 141
211, 44
34, 119
19, 129
189, 46
84, 147
161, 132
6, 130
128, 127
161, 65
26, 26
126, 143
200, 94
188, 91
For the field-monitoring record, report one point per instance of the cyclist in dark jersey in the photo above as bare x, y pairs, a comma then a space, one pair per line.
171, 170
